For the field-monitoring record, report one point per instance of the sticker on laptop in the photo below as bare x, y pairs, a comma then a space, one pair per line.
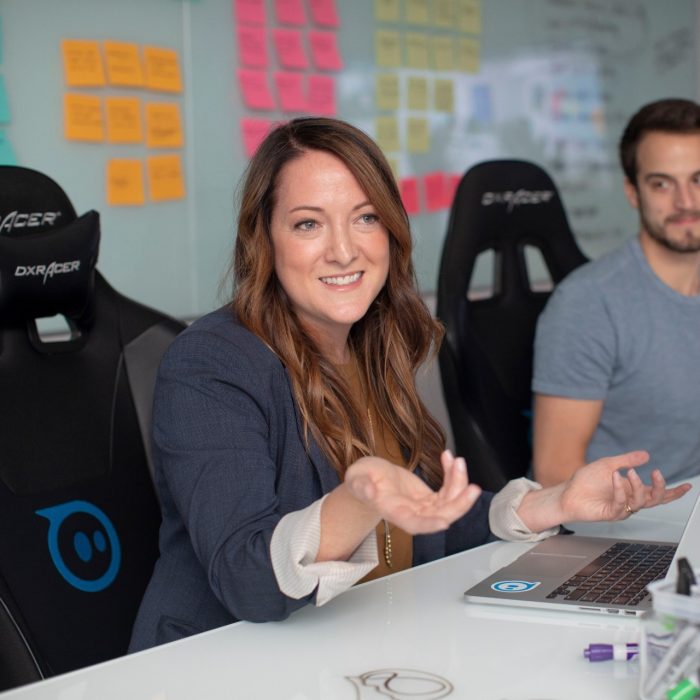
514, 586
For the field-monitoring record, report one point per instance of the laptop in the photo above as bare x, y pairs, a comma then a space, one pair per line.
589, 574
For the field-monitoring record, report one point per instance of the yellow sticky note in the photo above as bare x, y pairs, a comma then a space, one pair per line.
82, 63
417, 12
82, 118
444, 95
124, 120
468, 55
163, 125
162, 69
387, 10
469, 16
417, 50
418, 135
387, 46
443, 53
388, 134
165, 178
444, 13
123, 64
125, 182
417, 93
387, 91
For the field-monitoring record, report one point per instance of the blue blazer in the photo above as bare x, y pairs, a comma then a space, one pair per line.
230, 462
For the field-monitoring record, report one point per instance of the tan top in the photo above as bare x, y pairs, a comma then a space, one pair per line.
387, 447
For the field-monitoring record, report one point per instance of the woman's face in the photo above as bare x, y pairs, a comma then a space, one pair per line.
331, 251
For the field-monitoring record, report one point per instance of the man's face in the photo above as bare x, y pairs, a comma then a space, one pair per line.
667, 193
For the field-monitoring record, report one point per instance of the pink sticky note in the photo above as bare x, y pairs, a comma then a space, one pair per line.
289, 47
253, 86
253, 132
408, 186
290, 12
434, 191
252, 47
324, 13
290, 89
324, 50
453, 181
322, 95
249, 12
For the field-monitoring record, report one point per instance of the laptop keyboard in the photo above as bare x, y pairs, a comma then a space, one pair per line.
619, 576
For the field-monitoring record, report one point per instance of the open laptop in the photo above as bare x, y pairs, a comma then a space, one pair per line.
589, 574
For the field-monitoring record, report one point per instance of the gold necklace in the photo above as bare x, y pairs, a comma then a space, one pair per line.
387, 532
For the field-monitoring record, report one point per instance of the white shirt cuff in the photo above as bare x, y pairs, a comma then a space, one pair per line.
503, 517
293, 550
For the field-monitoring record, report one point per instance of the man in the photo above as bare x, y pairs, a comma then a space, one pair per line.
617, 350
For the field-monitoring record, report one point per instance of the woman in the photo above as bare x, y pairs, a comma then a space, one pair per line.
290, 441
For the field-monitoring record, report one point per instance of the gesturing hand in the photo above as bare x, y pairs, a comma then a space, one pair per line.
399, 496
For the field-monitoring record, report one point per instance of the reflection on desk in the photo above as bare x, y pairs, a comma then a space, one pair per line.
407, 635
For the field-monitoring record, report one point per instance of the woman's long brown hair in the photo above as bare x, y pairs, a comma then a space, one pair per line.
396, 335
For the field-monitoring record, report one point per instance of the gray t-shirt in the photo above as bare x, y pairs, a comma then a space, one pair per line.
612, 330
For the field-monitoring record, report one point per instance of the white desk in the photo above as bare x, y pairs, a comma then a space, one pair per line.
413, 620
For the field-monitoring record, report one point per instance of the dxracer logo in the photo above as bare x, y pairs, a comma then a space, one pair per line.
514, 586
53, 268
513, 199
83, 544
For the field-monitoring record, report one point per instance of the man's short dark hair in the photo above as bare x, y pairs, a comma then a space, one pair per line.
674, 115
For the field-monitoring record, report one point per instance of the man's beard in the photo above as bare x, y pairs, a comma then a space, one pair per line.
690, 243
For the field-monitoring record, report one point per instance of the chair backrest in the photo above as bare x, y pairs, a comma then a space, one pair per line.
78, 513
503, 206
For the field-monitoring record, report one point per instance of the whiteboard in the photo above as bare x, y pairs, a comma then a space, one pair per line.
552, 81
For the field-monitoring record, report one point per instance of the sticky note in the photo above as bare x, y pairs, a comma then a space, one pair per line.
444, 13
417, 93
418, 135
290, 12
163, 125
387, 10
165, 178
453, 181
82, 63
417, 50
469, 16
417, 12
253, 132
324, 50
162, 69
255, 90
386, 89
4, 103
290, 48
324, 14
444, 95
7, 153
434, 191
123, 64
252, 47
468, 55
291, 91
408, 186
125, 182
82, 118
387, 48
249, 12
321, 95
387, 134
443, 53
123, 120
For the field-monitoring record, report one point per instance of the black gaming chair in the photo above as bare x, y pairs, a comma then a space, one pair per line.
486, 359
78, 514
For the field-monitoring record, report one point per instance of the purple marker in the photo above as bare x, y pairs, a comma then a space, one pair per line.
616, 652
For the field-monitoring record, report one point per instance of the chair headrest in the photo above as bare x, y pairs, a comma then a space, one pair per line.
47, 253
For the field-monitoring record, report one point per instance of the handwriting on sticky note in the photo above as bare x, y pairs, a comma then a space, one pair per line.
82, 118
322, 95
289, 48
387, 133
255, 90
250, 12
290, 12
123, 120
290, 89
165, 178
387, 91
325, 51
324, 14
418, 135
417, 93
252, 47
125, 182
417, 50
162, 69
82, 63
123, 64
387, 48
163, 125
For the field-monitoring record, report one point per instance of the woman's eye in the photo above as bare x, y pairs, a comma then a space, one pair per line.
306, 225
369, 219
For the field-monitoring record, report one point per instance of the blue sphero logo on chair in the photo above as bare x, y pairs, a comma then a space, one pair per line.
514, 586
83, 544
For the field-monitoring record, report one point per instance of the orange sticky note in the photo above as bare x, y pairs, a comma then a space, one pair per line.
125, 182
82, 63
165, 178
123, 120
82, 118
163, 125
123, 64
162, 69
